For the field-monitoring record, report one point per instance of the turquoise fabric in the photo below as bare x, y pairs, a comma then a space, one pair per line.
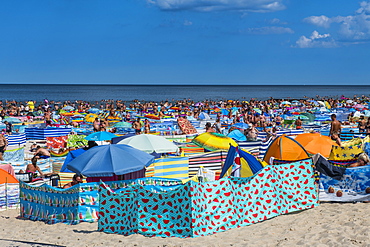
200, 209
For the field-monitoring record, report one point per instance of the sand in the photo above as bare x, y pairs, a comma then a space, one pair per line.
330, 224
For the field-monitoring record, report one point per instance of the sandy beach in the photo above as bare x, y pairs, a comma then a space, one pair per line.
330, 224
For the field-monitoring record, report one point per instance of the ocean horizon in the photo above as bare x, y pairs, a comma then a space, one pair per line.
160, 92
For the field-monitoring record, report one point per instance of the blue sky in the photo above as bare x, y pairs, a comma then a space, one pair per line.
224, 42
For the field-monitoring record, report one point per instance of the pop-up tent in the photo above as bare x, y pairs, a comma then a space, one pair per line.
285, 148
5, 177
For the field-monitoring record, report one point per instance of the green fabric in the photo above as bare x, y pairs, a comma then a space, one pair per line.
74, 140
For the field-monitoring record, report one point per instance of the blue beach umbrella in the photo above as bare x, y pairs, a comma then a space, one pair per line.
94, 110
100, 136
109, 160
122, 125
240, 125
237, 135
204, 116
12, 120
68, 108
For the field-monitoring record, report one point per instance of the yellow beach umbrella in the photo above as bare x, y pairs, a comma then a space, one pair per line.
214, 141
90, 117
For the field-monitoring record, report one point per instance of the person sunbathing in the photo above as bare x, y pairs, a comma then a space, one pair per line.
362, 160
41, 153
34, 168
77, 179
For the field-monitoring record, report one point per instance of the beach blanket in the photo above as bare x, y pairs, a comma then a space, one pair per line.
346, 152
354, 185
56, 142
186, 127
200, 209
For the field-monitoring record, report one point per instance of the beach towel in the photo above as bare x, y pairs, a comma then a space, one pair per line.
354, 186
186, 127
56, 142
75, 140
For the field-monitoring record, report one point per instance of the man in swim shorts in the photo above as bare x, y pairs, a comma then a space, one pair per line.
3, 145
335, 129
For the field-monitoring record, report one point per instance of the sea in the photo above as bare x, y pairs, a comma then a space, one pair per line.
158, 93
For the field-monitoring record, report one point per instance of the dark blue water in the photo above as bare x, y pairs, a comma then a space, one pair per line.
159, 93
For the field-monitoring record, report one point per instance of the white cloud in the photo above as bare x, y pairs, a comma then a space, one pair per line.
277, 21
217, 5
321, 21
270, 30
352, 29
188, 23
316, 40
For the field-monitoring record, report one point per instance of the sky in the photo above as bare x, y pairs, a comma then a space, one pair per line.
189, 42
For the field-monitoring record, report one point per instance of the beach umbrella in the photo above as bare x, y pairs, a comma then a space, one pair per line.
302, 117
286, 103
100, 136
68, 108
89, 118
204, 116
71, 156
122, 125
109, 160
224, 111
198, 104
152, 116
12, 120
240, 125
359, 106
257, 110
214, 141
117, 139
94, 110
150, 143
237, 135
316, 143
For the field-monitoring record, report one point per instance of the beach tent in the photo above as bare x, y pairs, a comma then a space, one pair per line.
285, 148
5, 177
316, 143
